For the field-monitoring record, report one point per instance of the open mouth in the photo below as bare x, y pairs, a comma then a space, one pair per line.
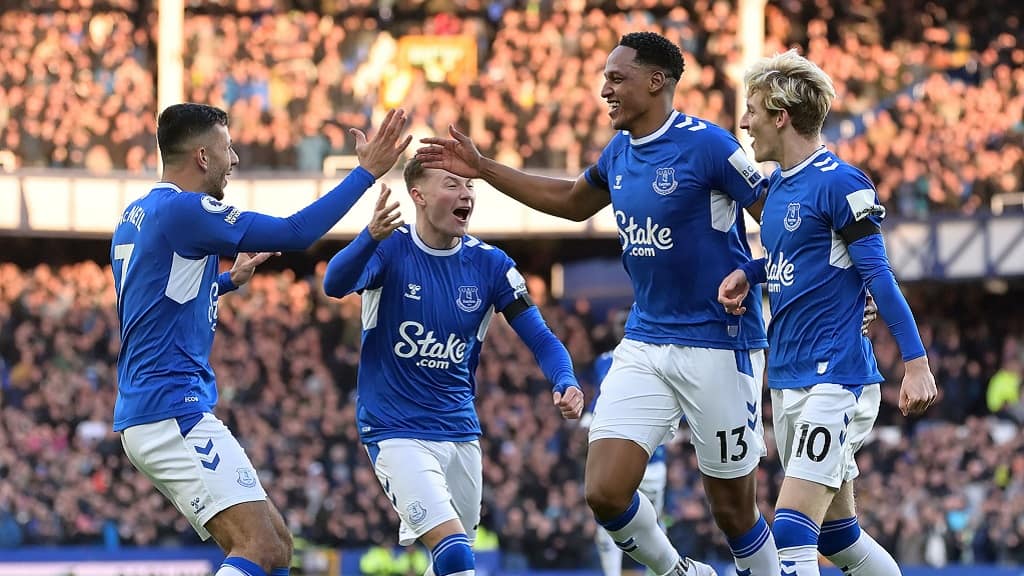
461, 214
613, 107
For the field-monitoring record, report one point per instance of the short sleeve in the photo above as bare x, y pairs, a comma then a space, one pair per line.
510, 285
852, 203
597, 174
731, 171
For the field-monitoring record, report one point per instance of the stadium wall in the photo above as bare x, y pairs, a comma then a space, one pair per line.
952, 247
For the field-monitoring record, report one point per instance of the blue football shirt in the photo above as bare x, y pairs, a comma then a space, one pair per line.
816, 294
165, 259
678, 196
425, 314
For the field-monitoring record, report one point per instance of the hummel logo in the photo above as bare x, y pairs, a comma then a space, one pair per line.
618, 182
694, 128
413, 291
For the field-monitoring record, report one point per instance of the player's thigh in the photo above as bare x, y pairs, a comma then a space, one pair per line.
843, 505
720, 392
203, 472
412, 475
861, 424
280, 526
812, 499
814, 424
248, 525
653, 485
636, 403
465, 479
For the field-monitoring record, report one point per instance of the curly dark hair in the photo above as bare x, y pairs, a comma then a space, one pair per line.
655, 50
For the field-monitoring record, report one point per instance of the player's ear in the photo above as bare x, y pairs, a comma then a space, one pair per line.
657, 81
417, 196
782, 118
202, 157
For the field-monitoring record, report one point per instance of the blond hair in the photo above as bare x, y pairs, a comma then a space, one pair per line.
790, 82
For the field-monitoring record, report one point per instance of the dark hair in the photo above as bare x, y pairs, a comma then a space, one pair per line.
413, 172
655, 50
180, 123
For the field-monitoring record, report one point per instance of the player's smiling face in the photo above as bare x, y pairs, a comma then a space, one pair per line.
447, 202
763, 126
220, 161
626, 87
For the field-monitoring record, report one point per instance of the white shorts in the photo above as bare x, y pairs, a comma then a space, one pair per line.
651, 386
819, 429
653, 485
202, 473
430, 483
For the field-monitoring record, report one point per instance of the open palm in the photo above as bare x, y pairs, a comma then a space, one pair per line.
457, 154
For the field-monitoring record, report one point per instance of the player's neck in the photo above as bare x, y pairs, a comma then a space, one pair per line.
433, 237
181, 178
797, 149
650, 122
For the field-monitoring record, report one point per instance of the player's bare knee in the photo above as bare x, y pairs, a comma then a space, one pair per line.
734, 517
607, 501
266, 554
260, 543
286, 549
733, 503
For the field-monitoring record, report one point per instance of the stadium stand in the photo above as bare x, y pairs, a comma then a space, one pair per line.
946, 489
920, 97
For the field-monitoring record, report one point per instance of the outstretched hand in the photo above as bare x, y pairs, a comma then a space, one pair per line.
379, 154
386, 217
456, 154
245, 265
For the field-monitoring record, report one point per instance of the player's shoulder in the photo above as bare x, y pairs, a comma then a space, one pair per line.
844, 184
399, 242
169, 197
158, 195
692, 130
489, 260
401, 235
477, 249
149, 206
829, 168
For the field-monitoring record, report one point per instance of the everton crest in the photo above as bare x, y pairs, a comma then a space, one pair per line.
792, 219
665, 181
469, 298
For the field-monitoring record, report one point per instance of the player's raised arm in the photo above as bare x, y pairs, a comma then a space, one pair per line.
351, 269
207, 226
574, 200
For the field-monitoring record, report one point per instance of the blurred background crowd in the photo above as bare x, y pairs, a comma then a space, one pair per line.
930, 94
948, 488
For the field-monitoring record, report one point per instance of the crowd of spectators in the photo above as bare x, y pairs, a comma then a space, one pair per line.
948, 488
930, 94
